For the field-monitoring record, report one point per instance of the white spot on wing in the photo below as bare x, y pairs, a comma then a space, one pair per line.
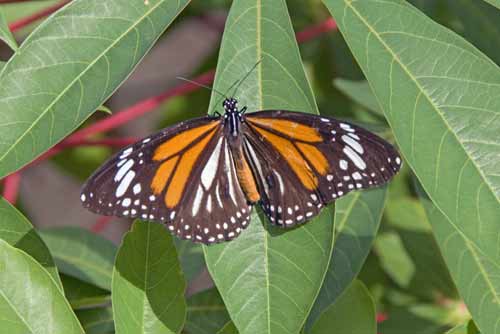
125, 183
354, 144
343, 164
123, 170
355, 158
208, 174
83, 197
280, 182
137, 188
197, 201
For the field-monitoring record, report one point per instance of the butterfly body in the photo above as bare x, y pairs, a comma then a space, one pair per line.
203, 176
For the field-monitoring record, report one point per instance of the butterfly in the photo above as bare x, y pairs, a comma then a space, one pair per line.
203, 176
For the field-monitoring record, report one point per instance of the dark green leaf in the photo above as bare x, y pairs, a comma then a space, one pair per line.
403, 320
148, 285
191, 258
352, 313
18, 232
229, 328
69, 66
81, 254
476, 277
357, 218
495, 3
83, 295
31, 301
5, 34
268, 277
441, 98
97, 320
360, 92
206, 313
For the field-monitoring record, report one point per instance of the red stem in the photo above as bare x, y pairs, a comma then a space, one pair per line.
316, 30
14, 26
11, 187
101, 224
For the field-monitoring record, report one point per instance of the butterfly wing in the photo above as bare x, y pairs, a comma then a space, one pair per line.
303, 162
183, 176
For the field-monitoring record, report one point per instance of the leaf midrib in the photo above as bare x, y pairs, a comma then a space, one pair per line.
78, 77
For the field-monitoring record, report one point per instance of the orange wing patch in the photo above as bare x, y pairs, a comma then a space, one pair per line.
184, 169
163, 175
289, 128
179, 142
293, 157
315, 157
246, 178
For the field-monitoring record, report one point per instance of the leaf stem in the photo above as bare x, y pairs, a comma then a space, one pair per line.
25, 21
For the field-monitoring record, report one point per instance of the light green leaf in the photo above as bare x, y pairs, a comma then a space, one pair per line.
18, 232
81, 254
394, 258
353, 312
148, 285
30, 299
191, 258
268, 277
6, 34
357, 219
360, 92
83, 295
70, 65
461, 329
97, 320
495, 3
441, 97
206, 313
229, 328
104, 109
476, 277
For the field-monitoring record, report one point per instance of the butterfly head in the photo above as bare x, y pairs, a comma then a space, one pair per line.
230, 105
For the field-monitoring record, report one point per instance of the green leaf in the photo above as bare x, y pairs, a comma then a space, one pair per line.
148, 285
476, 277
206, 313
69, 66
353, 312
191, 258
81, 254
401, 319
394, 258
360, 92
357, 219
495, 3
441, 98
268, 277
97, 320
31, 301
18, 232
461, 329
229, 328
83, 295
104, 109
6, 34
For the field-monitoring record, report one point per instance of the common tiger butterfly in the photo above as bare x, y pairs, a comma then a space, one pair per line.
202, 177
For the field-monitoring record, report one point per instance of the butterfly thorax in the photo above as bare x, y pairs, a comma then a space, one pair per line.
232, 116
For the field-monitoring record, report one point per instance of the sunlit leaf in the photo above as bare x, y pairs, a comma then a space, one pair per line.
441, 98
18, 232
148, 285
476, 277
229, 328
353, 312
495, 3
81, 254
69, 66
357, 218
5, 34
267, 277
30, 299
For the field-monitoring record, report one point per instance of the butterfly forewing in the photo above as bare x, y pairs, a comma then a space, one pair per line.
307, 161
183, 176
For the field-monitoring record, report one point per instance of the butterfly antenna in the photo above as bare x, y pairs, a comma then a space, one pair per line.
240, 82
202, 85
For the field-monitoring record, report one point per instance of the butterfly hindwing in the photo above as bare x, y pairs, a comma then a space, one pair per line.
307, 161
181, 176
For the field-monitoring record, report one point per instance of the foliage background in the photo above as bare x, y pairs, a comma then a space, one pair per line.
418, 257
